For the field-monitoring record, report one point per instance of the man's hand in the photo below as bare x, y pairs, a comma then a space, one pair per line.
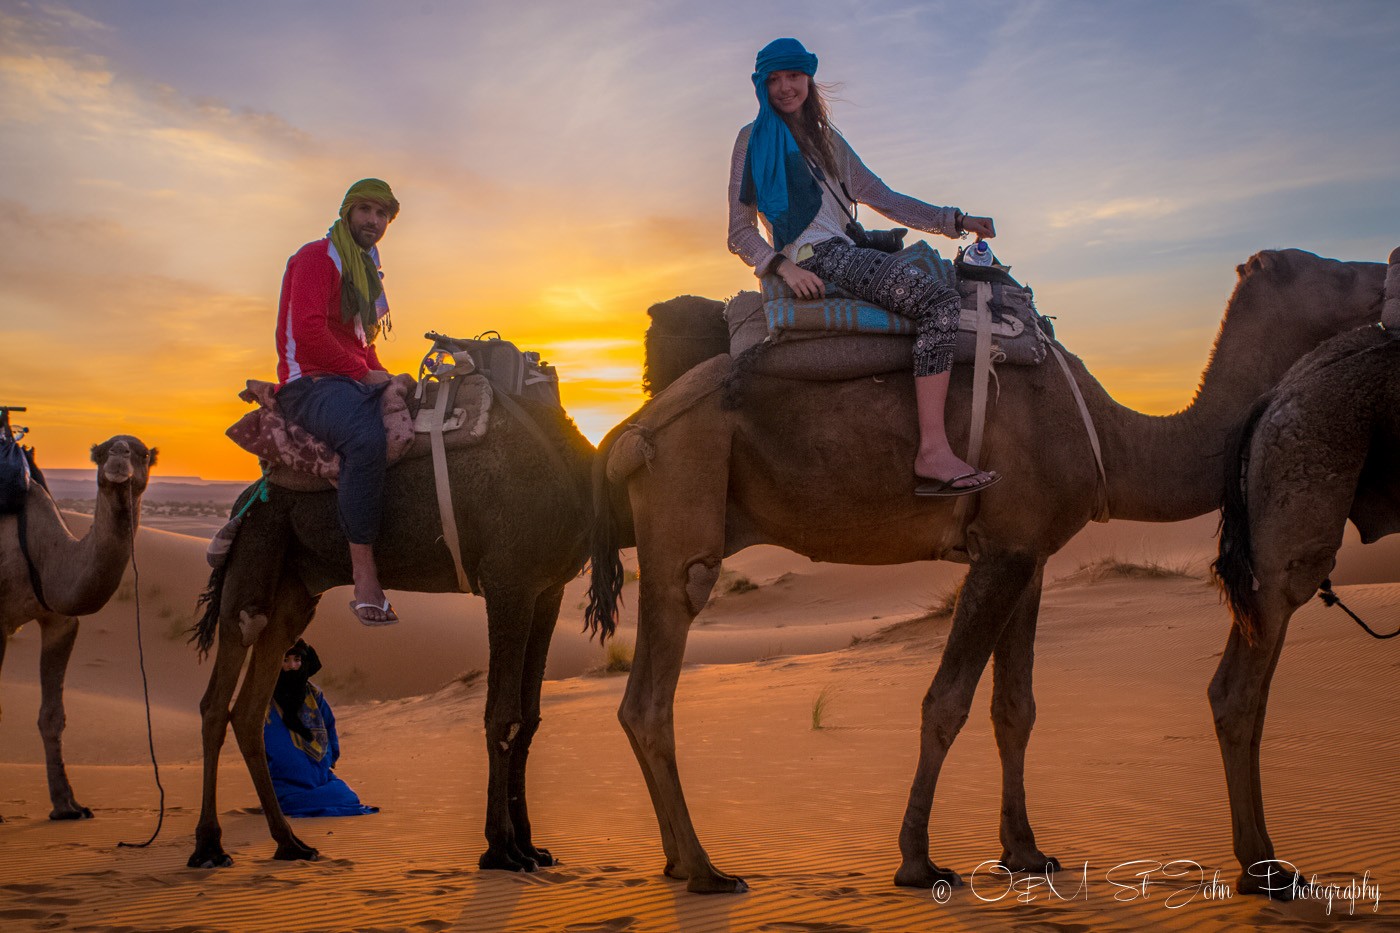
807, 285
375, 376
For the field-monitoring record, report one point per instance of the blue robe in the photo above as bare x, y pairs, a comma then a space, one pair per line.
301, 770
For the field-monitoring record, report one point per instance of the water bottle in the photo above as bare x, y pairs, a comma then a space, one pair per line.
978, 254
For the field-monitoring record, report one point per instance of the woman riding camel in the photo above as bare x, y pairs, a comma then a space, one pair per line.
794, 170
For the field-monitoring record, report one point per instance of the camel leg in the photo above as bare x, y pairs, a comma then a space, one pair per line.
1013, 716
510, 617
58, 633
647, 711
214, 714
995, 584
291, 614
1239, 696
536, 655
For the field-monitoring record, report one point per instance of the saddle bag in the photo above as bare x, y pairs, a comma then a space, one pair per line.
14, 469
517, 373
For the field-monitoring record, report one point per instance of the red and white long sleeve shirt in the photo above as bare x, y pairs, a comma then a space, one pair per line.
312, 340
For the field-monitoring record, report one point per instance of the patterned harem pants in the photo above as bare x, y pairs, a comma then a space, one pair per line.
904, 288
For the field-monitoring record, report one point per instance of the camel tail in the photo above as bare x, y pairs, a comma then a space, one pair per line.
607, 537
1233, 570
684, 333
202, 635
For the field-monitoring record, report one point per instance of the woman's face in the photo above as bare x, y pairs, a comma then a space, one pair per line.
787, 91
291, 662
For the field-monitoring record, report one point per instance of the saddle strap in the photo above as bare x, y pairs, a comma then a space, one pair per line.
1101, 513
444, 490
34, 582
981, 371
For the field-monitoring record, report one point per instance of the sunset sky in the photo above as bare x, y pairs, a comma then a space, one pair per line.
562, 165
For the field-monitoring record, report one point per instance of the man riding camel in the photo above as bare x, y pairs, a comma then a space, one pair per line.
330, 379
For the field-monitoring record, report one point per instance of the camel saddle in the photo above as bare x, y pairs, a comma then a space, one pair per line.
293, 459
841, 337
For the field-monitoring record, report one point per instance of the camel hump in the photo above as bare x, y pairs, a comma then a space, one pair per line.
634, 446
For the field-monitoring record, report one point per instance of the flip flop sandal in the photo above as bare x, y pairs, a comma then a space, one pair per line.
946, 489
358, 608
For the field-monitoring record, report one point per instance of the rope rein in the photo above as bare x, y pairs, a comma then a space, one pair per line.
145, 686
1330, 599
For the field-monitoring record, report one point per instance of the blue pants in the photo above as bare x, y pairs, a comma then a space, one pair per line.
345, 416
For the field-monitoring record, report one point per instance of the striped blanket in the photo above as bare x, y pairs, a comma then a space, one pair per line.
842, 312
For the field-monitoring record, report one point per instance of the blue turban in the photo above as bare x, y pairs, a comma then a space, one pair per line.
776, 177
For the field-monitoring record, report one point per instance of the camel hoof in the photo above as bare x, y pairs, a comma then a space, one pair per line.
1039, 863
673, 872
1269, 879
216, 860
296, 852
541, 857
925, 874
499, 860
717, 883
80, 813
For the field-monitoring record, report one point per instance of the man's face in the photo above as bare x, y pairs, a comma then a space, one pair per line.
291, 662
368, 220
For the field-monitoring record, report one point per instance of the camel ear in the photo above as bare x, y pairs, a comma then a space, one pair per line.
99, 452
151, 460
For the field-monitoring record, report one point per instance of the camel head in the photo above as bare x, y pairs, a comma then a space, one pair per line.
1307, 295
1287, 302
123, 461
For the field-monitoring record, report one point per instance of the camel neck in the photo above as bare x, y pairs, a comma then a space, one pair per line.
79, 575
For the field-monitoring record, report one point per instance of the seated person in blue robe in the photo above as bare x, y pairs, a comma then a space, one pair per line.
302, 746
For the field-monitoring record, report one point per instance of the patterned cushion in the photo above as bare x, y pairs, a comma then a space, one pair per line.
839, 311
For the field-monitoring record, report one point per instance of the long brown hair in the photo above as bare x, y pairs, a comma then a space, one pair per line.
811, 126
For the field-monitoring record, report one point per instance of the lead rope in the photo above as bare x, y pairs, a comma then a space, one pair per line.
1330, 598
145, 687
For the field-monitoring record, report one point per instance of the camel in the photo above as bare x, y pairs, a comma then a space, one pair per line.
1323, 447
824, 470
76, 577
522, 512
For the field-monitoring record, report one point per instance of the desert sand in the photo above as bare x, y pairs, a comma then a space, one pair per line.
1124, 779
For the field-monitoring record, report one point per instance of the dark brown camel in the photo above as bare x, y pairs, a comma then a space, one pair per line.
77, 577
1323, 447
825, 469
523, 528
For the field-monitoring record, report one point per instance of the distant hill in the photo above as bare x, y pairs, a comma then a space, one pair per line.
82, 484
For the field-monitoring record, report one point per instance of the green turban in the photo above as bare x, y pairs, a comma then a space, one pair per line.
360, 287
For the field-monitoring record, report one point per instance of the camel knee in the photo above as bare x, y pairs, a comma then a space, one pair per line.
505, 736
1013, 715
942, 719
650, 729
52, 722
700, 578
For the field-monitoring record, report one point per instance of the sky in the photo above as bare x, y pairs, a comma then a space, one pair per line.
563, 165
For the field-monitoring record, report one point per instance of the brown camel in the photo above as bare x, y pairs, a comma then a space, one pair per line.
1323, 447
75, 578
825, 470
523, 516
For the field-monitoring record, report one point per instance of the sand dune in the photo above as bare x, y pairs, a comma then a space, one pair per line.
1123, 765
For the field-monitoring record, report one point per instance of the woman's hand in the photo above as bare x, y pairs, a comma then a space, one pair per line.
807, 285
982, 227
